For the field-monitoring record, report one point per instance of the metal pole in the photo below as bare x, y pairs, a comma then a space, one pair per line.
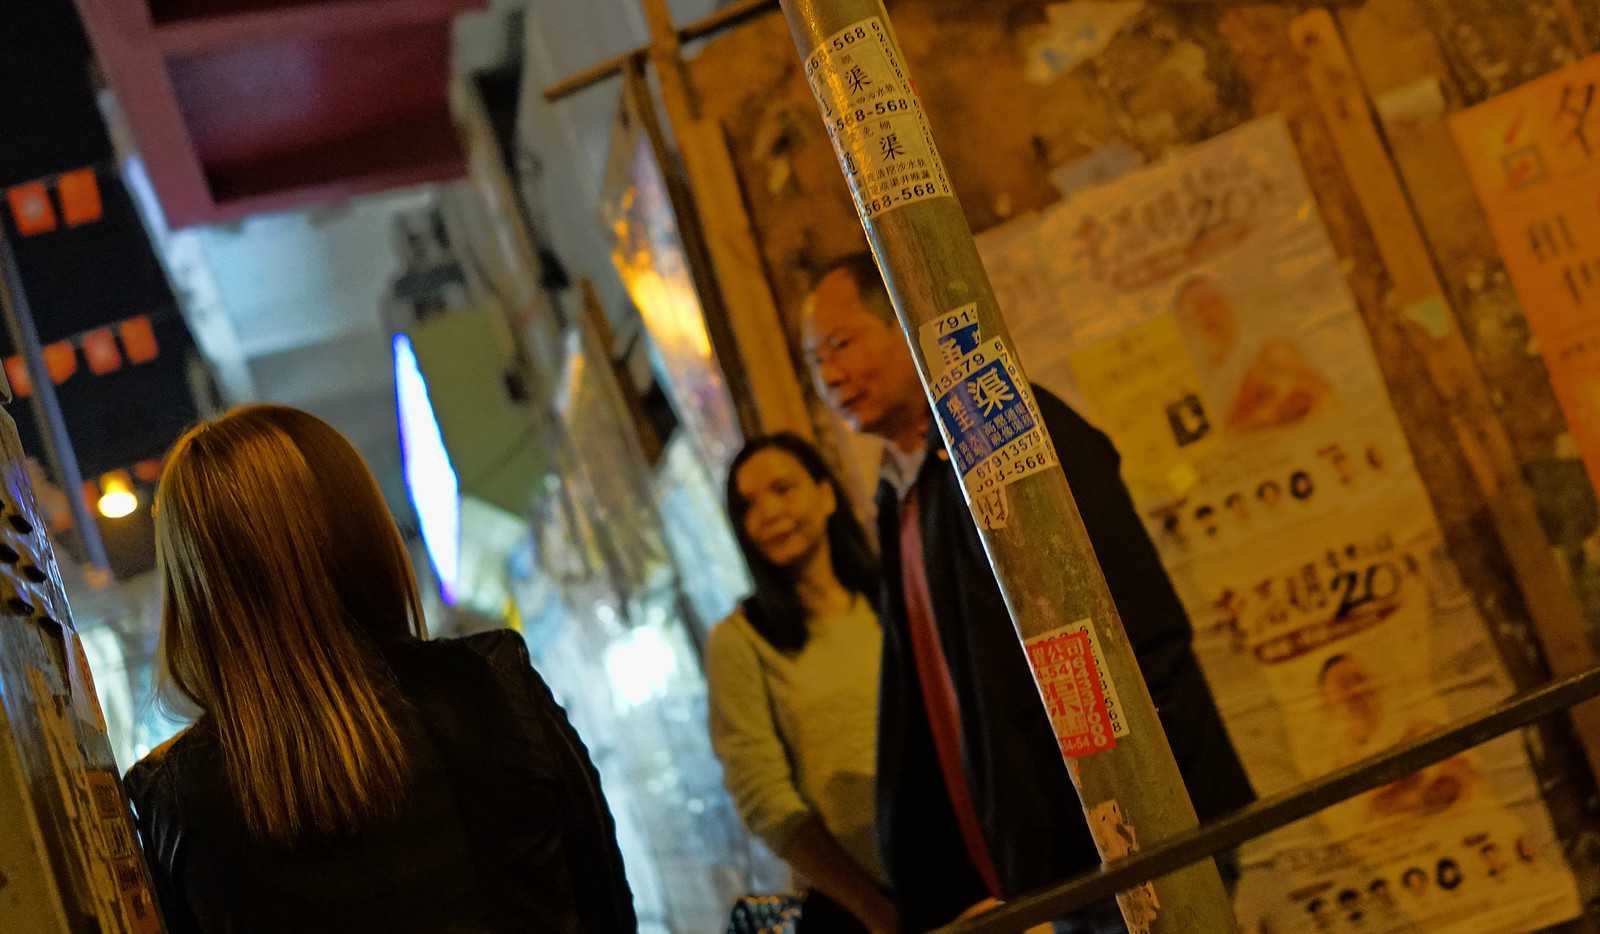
46, 408
1084, 667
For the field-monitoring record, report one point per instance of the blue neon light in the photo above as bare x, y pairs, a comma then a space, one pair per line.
430, 480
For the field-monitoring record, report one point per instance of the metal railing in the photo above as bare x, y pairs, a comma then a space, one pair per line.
1286, 807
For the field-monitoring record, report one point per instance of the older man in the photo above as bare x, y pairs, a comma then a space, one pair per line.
974, 801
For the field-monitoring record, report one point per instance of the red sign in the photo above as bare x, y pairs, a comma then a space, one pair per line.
1069, 682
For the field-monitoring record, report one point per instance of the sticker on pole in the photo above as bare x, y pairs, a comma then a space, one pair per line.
990, 420
875, 119
949, 337
1078, 694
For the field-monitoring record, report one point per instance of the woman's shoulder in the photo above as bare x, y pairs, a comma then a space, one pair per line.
180, 761
734, 643
734, 633
432, 661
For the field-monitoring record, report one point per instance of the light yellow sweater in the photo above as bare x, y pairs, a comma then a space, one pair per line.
797, 734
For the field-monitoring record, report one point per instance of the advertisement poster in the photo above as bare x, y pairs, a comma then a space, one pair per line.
1534, 157
1196, 312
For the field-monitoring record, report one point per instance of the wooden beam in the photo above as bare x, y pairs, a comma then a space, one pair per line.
752, 311
730, 16
686, 212
742, 311
737, 14
650, 442
1484, 443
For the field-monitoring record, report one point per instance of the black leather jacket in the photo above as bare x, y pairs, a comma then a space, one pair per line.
504, 829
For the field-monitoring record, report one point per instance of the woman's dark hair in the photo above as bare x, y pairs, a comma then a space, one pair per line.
774, 609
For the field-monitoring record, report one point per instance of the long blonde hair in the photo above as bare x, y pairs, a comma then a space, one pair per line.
281, 571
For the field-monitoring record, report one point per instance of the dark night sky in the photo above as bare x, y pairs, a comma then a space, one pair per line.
90, 276
48, 118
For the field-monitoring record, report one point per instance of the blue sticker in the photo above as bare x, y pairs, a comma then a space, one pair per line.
959, 342
983, 413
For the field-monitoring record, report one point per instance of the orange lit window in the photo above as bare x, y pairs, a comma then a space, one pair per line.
30, 207
100, 349
139, 339
80, 197
17, 375
61, 360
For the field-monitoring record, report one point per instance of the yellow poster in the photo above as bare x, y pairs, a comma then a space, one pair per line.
1534, 157
1149, 363
1196, 312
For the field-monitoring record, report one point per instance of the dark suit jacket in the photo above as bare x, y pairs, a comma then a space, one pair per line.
1024, 798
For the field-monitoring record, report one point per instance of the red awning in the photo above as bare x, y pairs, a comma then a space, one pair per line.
241, 106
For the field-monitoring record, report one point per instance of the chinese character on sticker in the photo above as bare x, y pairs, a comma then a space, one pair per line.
950, 352
850, 164
991, 391
993, 434
891, 146
1581, 278
1575, 106
962, 414
856, 79
1550, 238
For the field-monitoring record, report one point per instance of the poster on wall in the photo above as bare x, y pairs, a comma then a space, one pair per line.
1196, 312
1534, 157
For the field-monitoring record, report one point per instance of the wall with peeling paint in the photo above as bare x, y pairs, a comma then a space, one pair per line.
1021, 92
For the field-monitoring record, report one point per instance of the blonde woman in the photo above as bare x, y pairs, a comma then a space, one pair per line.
344, 774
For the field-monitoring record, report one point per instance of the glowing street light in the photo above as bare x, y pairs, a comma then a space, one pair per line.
117, 498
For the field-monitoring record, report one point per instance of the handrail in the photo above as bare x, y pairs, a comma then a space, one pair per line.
1286, 807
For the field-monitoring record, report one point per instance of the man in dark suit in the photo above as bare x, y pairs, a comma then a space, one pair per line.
974, 801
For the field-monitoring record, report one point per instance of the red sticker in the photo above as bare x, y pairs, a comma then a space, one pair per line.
1064, 667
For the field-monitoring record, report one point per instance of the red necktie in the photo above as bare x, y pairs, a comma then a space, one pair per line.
939, 692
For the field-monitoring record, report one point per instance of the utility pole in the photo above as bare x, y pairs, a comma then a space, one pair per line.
1083, 664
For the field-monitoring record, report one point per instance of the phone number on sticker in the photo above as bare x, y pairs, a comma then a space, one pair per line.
911, 193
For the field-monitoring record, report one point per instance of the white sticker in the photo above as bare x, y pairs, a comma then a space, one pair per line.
875, 120
992, 509
1115, 838
949, 337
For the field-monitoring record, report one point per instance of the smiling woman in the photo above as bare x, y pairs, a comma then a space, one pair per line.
794, 681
